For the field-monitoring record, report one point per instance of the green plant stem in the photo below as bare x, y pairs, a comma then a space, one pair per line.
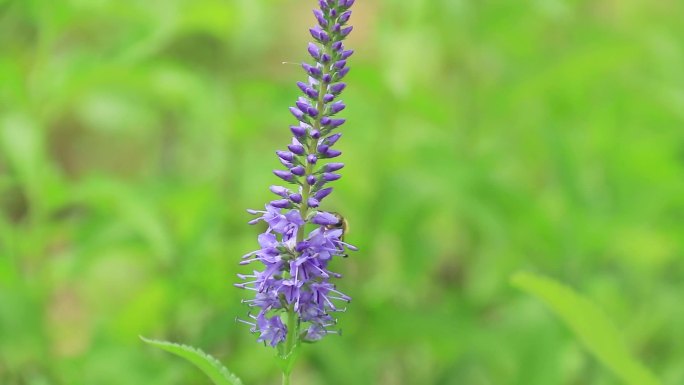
311, 144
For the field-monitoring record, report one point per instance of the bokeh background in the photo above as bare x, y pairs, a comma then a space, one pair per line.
485, 137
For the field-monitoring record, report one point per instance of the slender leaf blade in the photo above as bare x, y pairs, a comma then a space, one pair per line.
590, 324
218, 373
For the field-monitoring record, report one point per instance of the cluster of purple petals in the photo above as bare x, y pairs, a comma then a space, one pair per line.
292, 273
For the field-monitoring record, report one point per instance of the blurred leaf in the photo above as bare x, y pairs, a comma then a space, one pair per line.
590, 325
209, 365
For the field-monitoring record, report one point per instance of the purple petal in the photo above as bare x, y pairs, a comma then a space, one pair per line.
345, 17
296, 198
332, 167
298, 131
346, 54
346, 31
340, 64
323, 193
285, 155
281, 203
298, 170
332, 139
297, 113
314, 51
337, 107
284, 175
332, 153
329, 177
324, 219
296, 148
280, 190
337, 88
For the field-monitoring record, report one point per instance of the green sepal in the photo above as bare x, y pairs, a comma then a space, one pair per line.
209, 365
286, 362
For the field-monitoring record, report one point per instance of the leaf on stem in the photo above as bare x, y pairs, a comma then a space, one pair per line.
218, 374
590, 324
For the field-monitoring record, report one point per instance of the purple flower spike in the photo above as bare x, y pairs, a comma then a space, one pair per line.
293, 281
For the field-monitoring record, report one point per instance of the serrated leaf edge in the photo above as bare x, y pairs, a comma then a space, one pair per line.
228, 376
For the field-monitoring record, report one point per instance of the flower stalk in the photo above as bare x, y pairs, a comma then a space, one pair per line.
294, 282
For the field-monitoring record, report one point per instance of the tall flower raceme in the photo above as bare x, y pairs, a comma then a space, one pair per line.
294, 299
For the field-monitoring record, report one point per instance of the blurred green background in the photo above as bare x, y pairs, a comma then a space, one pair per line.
484, 137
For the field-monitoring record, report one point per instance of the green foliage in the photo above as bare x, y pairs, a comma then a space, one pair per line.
590, 325
483, 137
209, 365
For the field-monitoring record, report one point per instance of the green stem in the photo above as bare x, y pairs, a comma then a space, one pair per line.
310, 144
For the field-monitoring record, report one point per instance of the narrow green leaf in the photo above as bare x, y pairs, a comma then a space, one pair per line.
591, 326
218, 374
